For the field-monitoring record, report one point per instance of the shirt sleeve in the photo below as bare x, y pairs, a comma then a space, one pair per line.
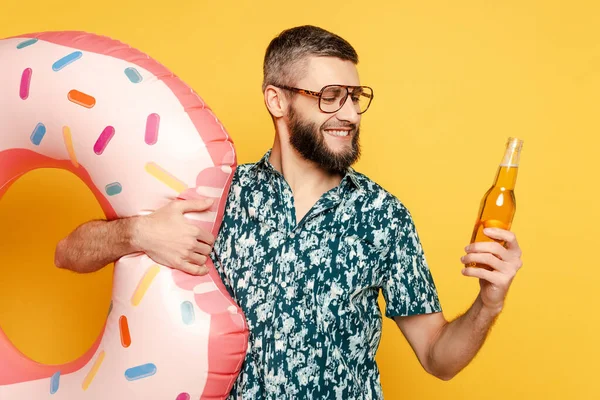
408, 287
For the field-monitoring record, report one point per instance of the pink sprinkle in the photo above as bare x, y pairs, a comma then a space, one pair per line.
103, 140
25, 82
152, 129
183, 396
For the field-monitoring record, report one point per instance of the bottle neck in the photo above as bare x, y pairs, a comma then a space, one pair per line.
506, 177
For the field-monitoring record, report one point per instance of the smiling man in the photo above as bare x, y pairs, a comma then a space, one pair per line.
307, 244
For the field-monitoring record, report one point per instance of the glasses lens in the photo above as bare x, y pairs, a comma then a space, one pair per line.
334, 97
361, 97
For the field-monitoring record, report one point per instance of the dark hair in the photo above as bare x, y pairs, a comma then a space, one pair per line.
292, 47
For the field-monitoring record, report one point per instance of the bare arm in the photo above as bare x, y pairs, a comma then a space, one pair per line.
445, 348
96, 244
166, 236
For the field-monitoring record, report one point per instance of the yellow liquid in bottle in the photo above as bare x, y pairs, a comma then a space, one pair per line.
497, 206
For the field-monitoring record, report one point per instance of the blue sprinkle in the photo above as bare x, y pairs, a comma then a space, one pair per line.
66, 60
133, 75
113, 188
54, 381
38, 134
26, 43
141, 371
187, 313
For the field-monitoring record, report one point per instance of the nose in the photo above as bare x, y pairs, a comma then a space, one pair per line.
348, 112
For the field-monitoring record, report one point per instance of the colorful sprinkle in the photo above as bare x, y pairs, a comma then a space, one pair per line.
113, 188
133, 75
66, 60
144, 284
141, 371
110, 308
152, 129
82, 99
183, 396
38, 134
69, 144
187, 313
26, 43
103, 139
165, 177
25, 82
124, 329
54, 382
90, 376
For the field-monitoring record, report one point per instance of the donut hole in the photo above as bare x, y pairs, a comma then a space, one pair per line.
52, 316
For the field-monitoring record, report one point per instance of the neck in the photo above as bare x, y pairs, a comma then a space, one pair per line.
506, 176
306, 178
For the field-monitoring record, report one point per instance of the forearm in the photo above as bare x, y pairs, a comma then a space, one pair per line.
96, 244
459, 341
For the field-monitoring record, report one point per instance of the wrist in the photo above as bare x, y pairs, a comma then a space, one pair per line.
489, 311
133, 233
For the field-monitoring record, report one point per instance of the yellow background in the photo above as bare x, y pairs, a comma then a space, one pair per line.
452, 80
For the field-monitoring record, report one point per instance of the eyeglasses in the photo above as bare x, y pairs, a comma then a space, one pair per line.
333, 97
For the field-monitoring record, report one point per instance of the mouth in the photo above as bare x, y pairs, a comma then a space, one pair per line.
338, 132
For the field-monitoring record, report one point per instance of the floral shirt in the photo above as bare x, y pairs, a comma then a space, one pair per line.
309, 289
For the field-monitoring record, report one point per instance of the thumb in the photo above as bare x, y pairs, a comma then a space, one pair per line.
195, 205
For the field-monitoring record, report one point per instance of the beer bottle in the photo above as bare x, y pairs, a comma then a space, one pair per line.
498, 205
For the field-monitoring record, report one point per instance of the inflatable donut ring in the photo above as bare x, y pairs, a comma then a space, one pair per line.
138, 137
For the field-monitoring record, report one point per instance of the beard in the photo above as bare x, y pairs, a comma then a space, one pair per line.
308, 139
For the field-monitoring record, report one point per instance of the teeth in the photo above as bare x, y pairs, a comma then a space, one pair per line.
338, 133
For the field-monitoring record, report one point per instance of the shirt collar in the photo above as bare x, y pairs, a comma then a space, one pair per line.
264, 163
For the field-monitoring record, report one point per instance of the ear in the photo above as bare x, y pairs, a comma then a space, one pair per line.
275, 101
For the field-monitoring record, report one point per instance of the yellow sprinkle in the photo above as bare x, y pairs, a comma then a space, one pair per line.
90, 376
69, 143
165, 177
144, 284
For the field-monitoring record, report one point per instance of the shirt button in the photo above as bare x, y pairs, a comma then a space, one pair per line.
278, 336
283, 284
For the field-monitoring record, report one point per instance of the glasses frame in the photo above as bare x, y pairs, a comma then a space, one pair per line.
319, 94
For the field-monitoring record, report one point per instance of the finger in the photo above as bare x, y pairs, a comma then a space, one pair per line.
506, 236
205, 236
198, 259
202, 270
485, 259
195, 205
202, 248
488, 247
193, 269
482, 273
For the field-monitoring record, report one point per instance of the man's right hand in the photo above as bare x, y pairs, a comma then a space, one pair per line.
171, 239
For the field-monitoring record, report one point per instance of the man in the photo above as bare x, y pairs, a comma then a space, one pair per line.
307, 244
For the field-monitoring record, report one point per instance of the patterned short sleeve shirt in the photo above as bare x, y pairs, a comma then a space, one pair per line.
309, 288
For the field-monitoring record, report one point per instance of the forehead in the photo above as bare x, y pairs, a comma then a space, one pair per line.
322, 71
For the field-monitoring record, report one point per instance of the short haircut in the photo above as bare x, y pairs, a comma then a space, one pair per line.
287, 53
